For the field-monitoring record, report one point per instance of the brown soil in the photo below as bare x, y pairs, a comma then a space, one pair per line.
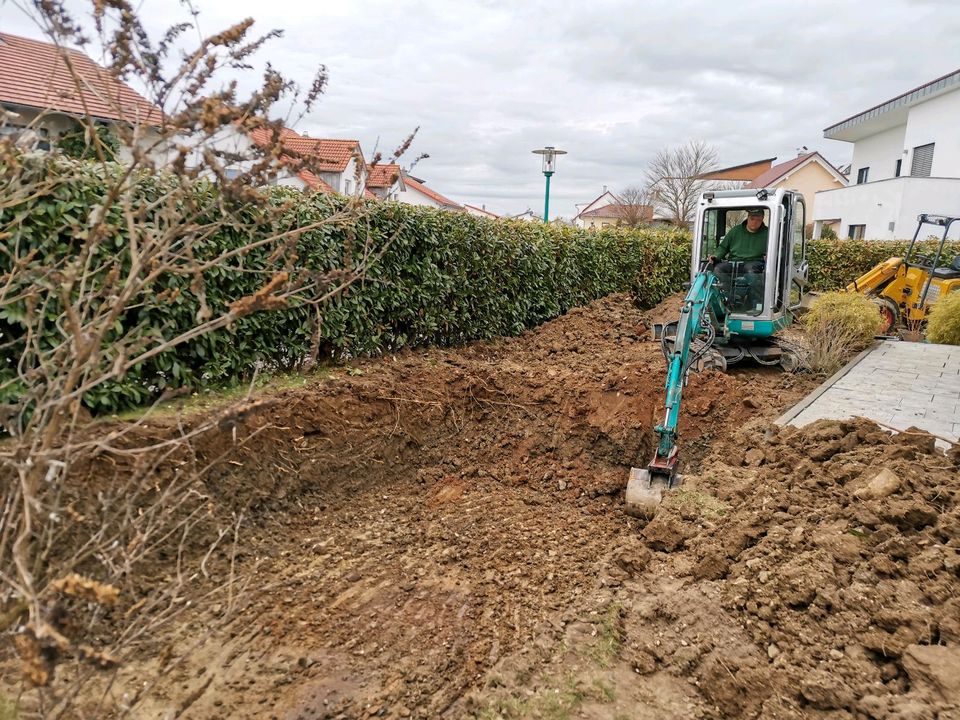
440, 534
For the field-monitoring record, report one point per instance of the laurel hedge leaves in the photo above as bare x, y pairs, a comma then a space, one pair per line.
834, 264
441, 278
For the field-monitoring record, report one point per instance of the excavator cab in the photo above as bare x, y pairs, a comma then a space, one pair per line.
754, 299
732, 311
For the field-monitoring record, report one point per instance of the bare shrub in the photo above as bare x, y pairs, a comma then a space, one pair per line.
838, 325
70, 595
943, 325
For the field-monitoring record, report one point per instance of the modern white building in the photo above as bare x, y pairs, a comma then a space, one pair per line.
906, 161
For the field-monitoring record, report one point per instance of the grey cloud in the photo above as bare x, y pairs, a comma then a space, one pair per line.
610, 81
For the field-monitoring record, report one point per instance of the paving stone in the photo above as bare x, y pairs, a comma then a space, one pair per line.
899, 384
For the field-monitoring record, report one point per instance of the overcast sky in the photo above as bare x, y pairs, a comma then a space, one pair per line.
610, 81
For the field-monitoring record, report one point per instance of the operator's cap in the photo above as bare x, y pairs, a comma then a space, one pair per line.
755, 211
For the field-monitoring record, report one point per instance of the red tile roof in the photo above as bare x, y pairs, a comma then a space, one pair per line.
315, 183
420, 187
325, 155
778, 171
36, 74
383, 176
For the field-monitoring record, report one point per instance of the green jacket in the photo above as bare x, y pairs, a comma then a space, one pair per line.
741, 244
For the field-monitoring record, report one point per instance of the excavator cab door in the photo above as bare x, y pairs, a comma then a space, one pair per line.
799, 267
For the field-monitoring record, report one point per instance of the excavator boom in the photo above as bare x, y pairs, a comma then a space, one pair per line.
702, 308
877, 277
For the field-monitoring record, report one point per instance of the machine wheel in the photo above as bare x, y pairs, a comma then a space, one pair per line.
711, 360
890, 314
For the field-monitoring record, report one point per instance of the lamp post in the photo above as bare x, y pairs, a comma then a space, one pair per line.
549, 154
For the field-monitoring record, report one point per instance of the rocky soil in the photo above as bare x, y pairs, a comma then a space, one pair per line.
440, 534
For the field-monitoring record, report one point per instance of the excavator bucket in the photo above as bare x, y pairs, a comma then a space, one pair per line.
645, 491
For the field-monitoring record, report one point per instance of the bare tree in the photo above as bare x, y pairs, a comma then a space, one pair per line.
635, 207
69, 554
675, 178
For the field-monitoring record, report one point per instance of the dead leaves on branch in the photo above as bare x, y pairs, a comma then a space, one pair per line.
42, 642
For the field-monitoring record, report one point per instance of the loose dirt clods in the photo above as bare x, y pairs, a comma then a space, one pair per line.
442, 536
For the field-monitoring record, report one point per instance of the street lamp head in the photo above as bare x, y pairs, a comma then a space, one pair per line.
549, 154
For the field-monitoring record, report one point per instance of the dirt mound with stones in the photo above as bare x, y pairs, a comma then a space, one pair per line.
810, 573
440, 534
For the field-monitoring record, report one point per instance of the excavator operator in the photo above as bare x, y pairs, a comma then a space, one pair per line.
746, 244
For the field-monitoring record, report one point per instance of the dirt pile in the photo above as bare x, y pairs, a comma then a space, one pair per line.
439, 534
821, 574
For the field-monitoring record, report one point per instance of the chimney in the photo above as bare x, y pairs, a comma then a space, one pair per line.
604, 188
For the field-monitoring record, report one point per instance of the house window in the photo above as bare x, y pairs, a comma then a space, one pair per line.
896, 173
862, 175
856, 232
922, 160
347, 187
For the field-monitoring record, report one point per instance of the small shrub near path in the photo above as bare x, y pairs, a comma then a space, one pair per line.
944, 324
838, 325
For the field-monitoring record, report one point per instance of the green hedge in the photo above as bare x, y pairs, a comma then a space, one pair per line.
836, 263
444, 278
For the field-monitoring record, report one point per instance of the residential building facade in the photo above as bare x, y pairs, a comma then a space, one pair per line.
480, 212
385, 181
415, 192
42, 98
906, 161
807, 174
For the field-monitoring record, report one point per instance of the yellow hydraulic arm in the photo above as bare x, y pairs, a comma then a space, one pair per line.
874, 279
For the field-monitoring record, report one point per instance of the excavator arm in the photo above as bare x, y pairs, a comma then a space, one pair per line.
875, 279
702, 309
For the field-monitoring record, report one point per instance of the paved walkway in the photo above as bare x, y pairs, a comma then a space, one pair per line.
895, 383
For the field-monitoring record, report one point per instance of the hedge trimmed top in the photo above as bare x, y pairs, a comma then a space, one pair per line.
441, 278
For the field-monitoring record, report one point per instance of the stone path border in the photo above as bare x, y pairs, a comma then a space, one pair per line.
898, 384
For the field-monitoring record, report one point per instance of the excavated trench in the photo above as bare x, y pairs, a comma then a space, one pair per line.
439, 534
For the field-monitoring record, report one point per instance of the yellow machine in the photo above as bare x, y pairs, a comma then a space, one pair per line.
906, 288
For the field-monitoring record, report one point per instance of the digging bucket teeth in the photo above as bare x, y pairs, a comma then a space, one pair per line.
645, 491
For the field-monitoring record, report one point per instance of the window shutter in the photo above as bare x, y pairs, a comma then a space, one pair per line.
922, 160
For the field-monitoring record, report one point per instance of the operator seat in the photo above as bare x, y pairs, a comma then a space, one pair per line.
949, 273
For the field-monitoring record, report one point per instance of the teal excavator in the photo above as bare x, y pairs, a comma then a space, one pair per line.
732, 311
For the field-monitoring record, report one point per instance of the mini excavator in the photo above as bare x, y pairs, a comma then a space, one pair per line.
731, 312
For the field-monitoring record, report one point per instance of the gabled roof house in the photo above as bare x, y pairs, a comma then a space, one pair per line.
607, 210
480, 211
415, 192
47, 88
334, 165
906, 161
808, 174
385, 181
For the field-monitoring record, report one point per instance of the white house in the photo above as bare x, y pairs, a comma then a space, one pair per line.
906, 161
334, 165
386, 181
527, 215
586, 215
480, 211
42, 98
415, 192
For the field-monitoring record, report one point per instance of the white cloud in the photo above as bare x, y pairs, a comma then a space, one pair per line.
610, 81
